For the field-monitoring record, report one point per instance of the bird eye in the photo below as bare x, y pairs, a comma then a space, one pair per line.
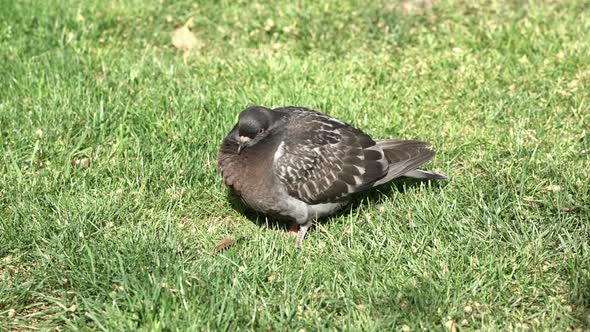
260, 131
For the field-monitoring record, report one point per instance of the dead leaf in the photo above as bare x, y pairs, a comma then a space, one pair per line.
228, 241
571, 210
83, 163
451, 326
183, 39
271, 278
269, 24
27, 100
72, 308
415, 7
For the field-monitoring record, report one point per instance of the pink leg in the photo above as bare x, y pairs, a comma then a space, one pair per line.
301, 235
293, 228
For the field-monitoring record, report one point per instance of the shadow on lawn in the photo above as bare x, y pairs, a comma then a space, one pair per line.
373, 195
579, 299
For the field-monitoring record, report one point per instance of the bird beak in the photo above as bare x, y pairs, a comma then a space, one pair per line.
243, 141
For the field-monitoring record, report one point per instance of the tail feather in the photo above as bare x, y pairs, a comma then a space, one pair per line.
404, 158
425, 175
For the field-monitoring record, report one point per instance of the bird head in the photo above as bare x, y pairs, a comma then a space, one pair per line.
254, 124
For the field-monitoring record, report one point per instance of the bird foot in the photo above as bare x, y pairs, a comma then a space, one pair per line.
301, 235
293, 229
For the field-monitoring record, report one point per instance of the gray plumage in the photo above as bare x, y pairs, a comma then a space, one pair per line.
299, 164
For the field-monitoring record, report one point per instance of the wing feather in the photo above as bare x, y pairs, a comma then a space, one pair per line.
327, 158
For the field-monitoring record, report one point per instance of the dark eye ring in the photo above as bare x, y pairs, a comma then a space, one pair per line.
260, 131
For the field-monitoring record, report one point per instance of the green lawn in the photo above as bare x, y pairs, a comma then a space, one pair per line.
111, 207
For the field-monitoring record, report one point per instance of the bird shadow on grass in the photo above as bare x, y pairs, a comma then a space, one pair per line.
374, 195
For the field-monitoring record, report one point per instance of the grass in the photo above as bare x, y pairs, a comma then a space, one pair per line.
502, 89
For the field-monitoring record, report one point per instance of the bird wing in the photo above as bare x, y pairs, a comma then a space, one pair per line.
404, 156
322, 159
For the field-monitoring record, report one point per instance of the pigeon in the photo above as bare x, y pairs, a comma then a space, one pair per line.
298, 164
